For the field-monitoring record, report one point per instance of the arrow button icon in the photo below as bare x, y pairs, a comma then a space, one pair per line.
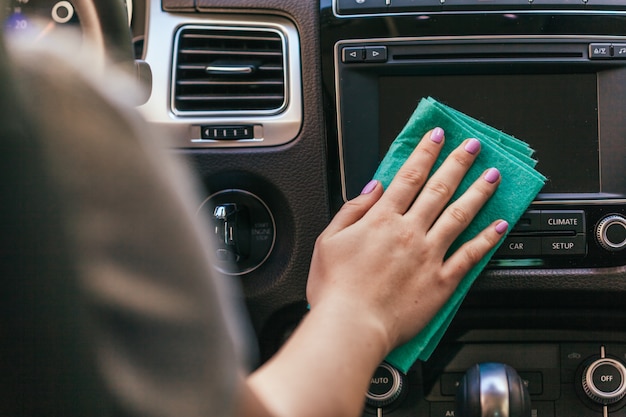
353, 54
375, 54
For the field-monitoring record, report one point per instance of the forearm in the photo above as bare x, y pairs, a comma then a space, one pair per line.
325, 367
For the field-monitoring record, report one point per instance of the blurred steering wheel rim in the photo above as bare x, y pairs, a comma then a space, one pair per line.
105, 24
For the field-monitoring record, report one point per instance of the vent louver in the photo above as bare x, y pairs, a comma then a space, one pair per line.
229, 70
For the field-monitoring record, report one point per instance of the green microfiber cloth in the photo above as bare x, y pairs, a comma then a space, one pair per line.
519, 186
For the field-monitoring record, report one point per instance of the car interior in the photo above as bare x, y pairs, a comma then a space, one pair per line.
285, 108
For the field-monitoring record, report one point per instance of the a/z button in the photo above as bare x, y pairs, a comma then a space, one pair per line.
600, 51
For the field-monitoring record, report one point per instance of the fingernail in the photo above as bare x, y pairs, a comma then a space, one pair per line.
472, 146
502, 227
492, 175
436, 135
369, 187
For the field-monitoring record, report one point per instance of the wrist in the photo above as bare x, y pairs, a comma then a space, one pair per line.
358, 325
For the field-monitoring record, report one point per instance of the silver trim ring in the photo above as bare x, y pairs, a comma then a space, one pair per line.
62, 5
602, 232
594, 392
393, 393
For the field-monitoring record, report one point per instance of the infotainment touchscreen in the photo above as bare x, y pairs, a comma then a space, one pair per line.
556, 114
552, 93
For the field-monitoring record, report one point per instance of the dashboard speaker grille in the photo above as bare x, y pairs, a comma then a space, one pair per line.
229, 70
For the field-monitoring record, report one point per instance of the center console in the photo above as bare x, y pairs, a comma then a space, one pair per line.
551, 73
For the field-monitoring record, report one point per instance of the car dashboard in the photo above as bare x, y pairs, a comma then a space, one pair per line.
303, 98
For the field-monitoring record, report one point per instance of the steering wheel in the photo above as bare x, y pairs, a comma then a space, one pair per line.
105, 25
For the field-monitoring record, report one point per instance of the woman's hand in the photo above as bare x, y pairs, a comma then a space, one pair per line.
381, 259
377, 277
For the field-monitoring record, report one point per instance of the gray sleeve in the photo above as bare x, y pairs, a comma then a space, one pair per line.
167, 342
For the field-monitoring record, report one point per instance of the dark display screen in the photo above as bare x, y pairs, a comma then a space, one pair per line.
556, 114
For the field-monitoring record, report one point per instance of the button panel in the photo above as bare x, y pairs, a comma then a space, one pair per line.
546, 233
607, 51
227, 132
553, 374
369, 54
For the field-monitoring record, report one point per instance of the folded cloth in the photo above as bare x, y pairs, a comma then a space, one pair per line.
519, 185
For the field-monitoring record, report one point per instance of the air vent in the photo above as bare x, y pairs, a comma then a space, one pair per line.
229, 70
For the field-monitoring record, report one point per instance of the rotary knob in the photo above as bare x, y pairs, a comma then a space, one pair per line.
611, 232
385, 387
604, 381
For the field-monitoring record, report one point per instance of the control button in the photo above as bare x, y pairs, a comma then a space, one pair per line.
563, 245
529, 222
604, 381
227, 132
353, 54
607, 378
566, 220
519, 246
533, 381
611, 232
600, 51
619, 50
243, 230
360, 6
385, 386
450, 383
375, 53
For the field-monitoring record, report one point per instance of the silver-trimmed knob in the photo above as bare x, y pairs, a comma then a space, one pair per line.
611, 232
385, 387
604, 381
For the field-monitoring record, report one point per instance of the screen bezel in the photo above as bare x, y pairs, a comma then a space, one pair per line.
357, 101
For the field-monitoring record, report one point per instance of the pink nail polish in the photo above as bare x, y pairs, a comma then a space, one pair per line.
436, 135
492, 175
502, 227
472, 146
369, 187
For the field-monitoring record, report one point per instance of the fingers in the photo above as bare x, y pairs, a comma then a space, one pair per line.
355, 209
414, 173
423, 201
458, 215
444, 182
470, 253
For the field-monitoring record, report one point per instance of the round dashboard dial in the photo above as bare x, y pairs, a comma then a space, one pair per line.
37, 18
42, 16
